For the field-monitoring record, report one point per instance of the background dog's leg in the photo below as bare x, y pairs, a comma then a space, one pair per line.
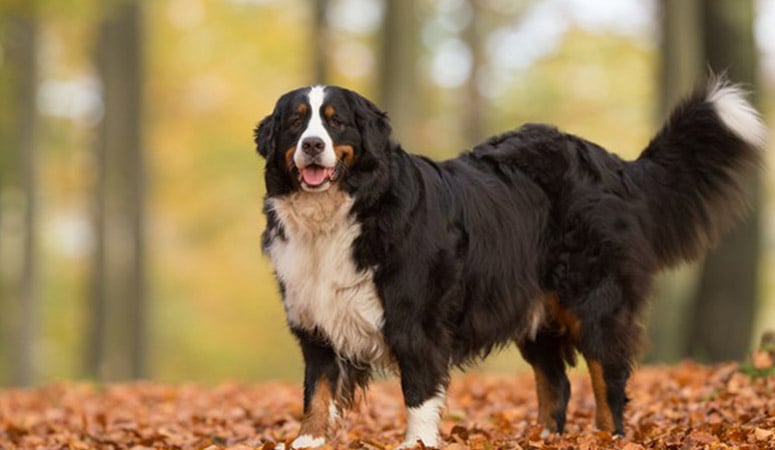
545, 354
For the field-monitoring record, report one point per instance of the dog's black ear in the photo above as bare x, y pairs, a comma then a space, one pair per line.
372, 122
264, 136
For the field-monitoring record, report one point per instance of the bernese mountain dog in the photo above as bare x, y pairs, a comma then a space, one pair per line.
386, 259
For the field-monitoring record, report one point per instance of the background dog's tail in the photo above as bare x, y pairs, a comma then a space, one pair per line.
696, 171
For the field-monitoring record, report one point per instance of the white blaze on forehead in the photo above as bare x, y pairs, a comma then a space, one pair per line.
316, 96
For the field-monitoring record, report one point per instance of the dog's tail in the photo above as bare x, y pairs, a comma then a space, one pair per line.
696, 171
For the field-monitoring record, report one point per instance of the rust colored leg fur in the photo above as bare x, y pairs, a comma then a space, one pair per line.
604, 419
608, 384
316, 417
545, 354
608, 340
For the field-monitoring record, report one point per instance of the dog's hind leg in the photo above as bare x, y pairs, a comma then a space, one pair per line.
608, 341
609, 380
546, 354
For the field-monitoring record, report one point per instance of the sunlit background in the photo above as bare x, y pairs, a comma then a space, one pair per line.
212, 69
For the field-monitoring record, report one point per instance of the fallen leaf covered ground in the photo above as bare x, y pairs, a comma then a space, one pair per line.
686, 406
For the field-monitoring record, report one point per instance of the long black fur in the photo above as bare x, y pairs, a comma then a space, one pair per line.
465, 249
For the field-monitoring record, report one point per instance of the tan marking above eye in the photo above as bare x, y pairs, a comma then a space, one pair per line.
302, 108
329, 111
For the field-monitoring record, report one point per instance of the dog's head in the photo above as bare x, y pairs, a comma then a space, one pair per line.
319, 136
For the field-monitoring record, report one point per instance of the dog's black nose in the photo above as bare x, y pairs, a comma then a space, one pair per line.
312, 146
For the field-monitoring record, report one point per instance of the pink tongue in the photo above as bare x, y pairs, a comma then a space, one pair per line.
314, 175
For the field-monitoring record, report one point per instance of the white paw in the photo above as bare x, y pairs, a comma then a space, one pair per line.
280, 446
307, 441
545, 433
422, 422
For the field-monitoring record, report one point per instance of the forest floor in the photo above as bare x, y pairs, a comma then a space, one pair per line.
685, 406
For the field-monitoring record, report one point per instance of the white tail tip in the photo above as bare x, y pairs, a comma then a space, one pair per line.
736, 113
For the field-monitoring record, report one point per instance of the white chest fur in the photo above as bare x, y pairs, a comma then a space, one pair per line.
324, 290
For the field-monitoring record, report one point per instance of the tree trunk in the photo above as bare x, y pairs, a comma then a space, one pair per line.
320, 35
398, 81
18, 186
680, 70
726, 300
116, 334
473, 117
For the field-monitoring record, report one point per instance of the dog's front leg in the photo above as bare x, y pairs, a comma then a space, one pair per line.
321, 377
424, 377
422, 419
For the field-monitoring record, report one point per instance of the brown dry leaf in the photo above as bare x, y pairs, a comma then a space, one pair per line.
737, 383
762, 359
456, 446
459, 433
762, 435
632, 446
685, 406
701, 437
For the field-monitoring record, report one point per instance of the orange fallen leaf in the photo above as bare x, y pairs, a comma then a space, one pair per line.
702, 437
762, 359
632, 446
762, 435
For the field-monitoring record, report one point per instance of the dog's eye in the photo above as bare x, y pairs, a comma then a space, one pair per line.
296, 123
335, 122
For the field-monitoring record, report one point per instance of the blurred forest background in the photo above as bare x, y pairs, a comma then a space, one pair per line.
130, 192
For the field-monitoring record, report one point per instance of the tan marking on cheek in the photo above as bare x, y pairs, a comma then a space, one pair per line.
329, 111
315, 421
344, 153
604, 418
289, 164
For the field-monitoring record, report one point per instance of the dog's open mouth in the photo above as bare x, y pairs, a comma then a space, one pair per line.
315, 176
